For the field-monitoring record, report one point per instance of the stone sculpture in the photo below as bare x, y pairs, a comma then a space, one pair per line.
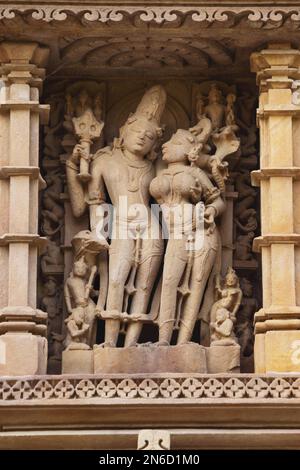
243, 250
81, 322
245, 318
87, 128
229, 295
125, 170
52, 258
52, 212
179, 184
51, 302
222, 329
143, 279
215, 110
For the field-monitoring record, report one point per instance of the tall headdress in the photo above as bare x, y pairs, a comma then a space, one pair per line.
150, 108
152, 104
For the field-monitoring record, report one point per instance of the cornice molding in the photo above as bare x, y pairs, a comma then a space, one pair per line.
253, 12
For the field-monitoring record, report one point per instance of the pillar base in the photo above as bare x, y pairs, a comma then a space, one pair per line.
23, 354
278, 351
225, 359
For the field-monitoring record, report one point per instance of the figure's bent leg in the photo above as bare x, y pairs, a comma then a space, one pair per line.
200, 273
120, 262
174, 265
146, 275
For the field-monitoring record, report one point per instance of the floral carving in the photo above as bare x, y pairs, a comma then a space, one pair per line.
158, 15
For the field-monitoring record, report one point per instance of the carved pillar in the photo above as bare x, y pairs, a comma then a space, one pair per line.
22, 325
277, 325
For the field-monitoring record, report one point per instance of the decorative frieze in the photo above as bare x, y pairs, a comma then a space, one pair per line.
180, 387
259, 15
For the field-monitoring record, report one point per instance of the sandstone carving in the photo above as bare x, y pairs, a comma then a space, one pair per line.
130, 222
52, 259
180, 183
52, 303
194, 173
140, 280
259, 16
245, 318
87, 128
229, 296
222, 328
81, 308
125, 170
132, 293
52, 212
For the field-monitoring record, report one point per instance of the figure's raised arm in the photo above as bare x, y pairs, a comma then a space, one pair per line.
75, 187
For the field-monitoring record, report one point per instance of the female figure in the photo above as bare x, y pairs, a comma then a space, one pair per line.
229, 295
223, 329
125, 172
80, 306
189, 259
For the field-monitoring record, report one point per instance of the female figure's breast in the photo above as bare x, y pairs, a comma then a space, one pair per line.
160, 188
173, 188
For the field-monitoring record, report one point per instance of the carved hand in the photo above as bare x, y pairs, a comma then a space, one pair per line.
79, 151
196, 190
209, 215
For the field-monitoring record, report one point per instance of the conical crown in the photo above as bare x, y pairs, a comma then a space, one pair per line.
152, 104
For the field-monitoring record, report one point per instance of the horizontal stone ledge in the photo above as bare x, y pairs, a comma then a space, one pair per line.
22, 313
32, 171
275, 83
277, 325
278, 312
279, 110
280, 73
22, 327
30, 238
127, 439
33, 106
266, 173
278, 238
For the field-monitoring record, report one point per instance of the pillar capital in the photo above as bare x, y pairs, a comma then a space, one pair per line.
23, 52
23, 62
276, 67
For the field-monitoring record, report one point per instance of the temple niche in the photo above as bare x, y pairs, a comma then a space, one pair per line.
168, 283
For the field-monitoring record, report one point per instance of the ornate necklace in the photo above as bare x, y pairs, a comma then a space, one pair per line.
136, 170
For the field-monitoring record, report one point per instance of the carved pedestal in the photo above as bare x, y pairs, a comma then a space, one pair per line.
188, 358
223, 359
22, 325
78, 362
